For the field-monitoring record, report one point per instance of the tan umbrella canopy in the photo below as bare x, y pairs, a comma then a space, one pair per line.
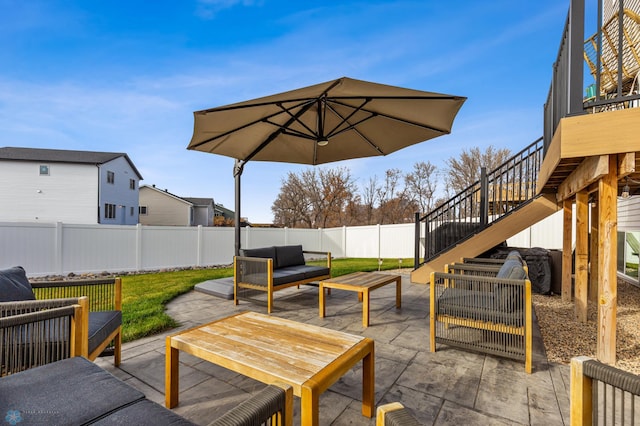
332, 121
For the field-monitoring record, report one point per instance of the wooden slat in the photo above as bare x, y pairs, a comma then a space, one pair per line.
580, 394
589, 171
593, 254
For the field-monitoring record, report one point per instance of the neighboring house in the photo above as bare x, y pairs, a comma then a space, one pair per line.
203, 210
160, 207
52, 185
221, 210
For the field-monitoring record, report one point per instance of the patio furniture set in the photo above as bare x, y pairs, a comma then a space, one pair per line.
43, 343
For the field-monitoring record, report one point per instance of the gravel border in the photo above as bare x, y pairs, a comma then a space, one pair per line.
564, 337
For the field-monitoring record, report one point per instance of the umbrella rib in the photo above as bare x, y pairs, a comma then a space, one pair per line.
391, 117
244, 126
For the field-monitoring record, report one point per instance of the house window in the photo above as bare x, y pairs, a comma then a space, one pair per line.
44, 170
109, 211
142, 210
132, 184
111, 177
131, 211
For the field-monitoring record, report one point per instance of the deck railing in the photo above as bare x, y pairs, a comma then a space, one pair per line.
602, 394
495, 195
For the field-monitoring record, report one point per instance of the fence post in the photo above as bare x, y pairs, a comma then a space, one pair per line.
416, 253
139, 247
484, 197
199, 248
58, 249
344, 241
379, 242
286, 235
320, 235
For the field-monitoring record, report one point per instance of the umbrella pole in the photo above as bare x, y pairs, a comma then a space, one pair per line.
237, 172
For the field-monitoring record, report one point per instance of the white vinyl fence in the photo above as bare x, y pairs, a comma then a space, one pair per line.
61, 248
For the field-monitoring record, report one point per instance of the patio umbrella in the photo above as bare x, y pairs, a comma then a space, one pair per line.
336, 120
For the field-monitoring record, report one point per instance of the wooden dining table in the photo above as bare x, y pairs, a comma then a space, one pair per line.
271, 349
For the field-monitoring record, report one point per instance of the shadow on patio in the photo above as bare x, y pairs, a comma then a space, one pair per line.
449, 386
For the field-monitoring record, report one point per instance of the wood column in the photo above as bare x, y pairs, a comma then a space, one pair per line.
607, 267
567, 226
582, 256
593, 254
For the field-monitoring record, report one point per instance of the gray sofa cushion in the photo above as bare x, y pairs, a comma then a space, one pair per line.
263, 252
68, 392
101, 324
309, 271
285, 276
14, 285
289, 256
476, 305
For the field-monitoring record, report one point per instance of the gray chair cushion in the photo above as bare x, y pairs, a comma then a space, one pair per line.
101, 324
263, 252
69, 392
143, 413
14, 285
289, 256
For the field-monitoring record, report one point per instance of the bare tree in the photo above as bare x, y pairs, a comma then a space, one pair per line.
369, 199
465, 170
314, 198
395, 206
421, 185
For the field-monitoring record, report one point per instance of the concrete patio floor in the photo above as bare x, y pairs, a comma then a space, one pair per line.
448, 387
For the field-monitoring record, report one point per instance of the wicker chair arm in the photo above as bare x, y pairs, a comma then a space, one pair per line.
273, 401
253, 270
26, 306
394, 414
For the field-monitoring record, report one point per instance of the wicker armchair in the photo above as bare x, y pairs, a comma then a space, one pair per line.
105, 310
34, 333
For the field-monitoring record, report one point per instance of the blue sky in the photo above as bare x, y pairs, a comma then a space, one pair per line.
126, 76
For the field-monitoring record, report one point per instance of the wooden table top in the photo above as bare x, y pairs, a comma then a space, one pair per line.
268, 348
362, 279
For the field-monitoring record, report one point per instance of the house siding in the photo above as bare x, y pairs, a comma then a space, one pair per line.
164, 209
68, 194
119, 192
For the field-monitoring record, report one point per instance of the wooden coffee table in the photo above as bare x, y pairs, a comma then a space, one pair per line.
271, 349
363, 283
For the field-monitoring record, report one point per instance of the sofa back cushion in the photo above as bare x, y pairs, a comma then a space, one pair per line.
289, 256
14, 285
262, 252
512, 267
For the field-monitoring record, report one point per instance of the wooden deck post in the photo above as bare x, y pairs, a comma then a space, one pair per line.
607, 263
593, 254
581, 386
566, 249
582, 256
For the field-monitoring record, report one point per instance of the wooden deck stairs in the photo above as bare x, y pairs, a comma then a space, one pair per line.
507, 226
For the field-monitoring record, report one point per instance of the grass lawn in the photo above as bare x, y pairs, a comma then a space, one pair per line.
144, 296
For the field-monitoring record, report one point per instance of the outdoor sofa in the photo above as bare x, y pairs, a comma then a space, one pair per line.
102, 322
489, 312
269, 269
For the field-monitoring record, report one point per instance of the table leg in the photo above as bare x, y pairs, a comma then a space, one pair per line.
321, 299
309, 406
365, 308
399, 293
171, 375
368, 383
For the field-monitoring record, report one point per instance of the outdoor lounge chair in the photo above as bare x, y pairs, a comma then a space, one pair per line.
490, 314
103, 321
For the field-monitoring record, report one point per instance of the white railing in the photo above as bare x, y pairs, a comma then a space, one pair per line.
61, 248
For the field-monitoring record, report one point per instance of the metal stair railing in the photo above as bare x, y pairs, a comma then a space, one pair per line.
497, 193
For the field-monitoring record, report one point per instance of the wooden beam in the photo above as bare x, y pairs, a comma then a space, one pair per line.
582, 256
593, 254
607, 267
589, 171
626, 164
567, 226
